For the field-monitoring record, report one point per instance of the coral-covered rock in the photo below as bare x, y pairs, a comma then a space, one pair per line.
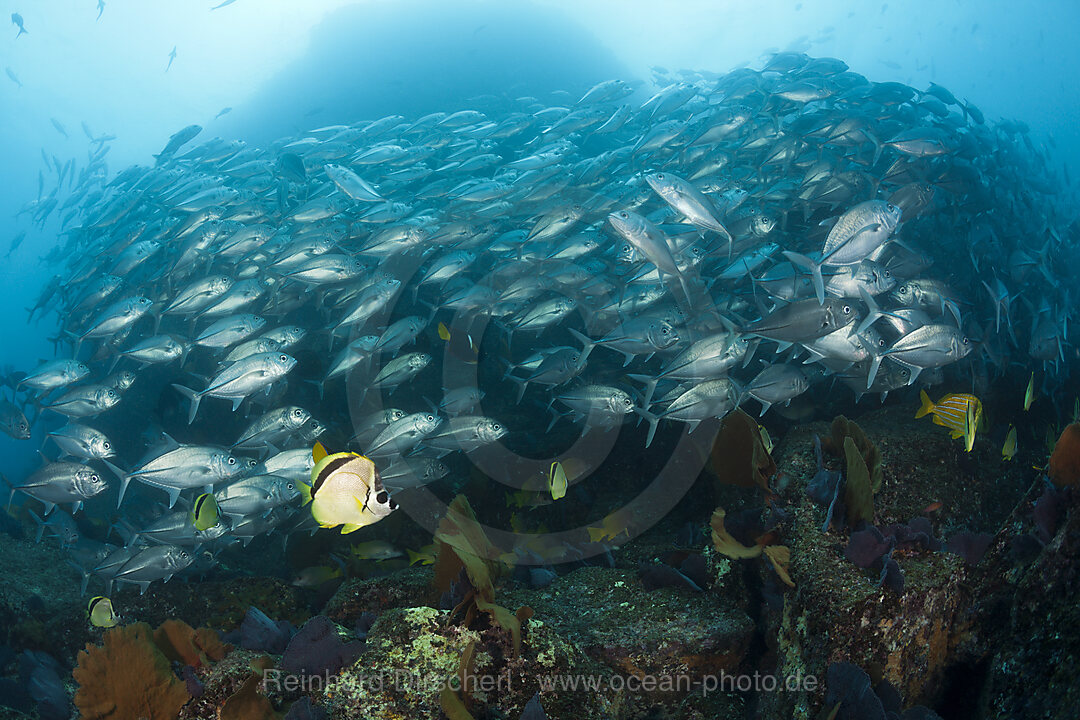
1034, 649
404, 588
919, 631
127, 678
411, 652
219, 604
664, 633
40, 606
225, 680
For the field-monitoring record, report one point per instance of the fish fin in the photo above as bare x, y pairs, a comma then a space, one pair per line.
927, 405
875, 364
318, 452
653, 421
813, 268
193, 397
236, 401
650, 386
124, 480
40, 524
305, 493
587, 344
48, 507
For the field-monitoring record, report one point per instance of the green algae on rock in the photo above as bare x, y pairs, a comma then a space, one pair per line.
413, 652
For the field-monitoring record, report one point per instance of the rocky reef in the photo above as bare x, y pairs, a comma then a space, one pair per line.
954, 597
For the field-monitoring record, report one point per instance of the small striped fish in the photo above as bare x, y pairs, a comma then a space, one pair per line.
959, 412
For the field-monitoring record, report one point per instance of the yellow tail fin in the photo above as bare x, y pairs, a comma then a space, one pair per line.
927, 405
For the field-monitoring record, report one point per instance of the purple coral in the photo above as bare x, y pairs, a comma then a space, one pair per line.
318, 649
970, 546
258, 632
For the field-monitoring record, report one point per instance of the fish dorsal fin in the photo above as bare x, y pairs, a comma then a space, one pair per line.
170, 443
318, 452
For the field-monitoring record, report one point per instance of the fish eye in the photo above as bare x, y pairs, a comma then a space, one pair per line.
665, 331
430, 417
888, 273
382, 497
624, 214
881, 342
298, 412
659, 176
283, 358
232, 461
94, 478
847, 309
966, 341
890, 207
496, 427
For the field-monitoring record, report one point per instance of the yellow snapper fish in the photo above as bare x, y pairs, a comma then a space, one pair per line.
101, 613
959, 412
1008, 450
345, 490
204, 513
611, 527
375, 550
315, 576
423, 556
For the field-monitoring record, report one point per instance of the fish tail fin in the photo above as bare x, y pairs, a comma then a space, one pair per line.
124, 479
927, 405
875, 364
587, 344
522, 384
650, 386
40, 525
814, 268
653, 421
192, 397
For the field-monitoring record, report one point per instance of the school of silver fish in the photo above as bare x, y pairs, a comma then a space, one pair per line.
607, 258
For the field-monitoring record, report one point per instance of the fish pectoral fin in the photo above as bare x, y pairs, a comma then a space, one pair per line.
350, 527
